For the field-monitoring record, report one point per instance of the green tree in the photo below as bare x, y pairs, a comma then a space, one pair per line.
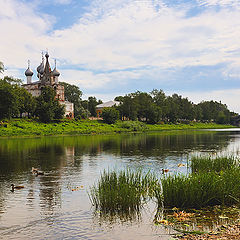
73, 94
128, 108
8, 99
110, 115
48, 107
92, 103
25, 101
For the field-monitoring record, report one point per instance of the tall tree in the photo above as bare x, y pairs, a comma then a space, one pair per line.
92, 103
8, 99
73, 94
48, 107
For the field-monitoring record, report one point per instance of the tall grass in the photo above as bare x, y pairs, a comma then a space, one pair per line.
201, 189
207, 163
122, 192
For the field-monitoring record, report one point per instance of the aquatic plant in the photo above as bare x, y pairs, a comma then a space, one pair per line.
208, 163
200, 189
122, 192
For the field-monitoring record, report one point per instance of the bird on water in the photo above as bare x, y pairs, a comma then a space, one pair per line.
16, 187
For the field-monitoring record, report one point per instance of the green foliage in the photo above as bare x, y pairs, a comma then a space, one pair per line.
48, 108
122, 192
110, 115
8, 99
201, 189
27, 127
214, 181
73, 94
133, 126
91, 105
206, 164
156, 107
14, 100
214, 111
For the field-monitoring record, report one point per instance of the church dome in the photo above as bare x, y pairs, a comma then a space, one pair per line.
40, 68
55, 72
28, 72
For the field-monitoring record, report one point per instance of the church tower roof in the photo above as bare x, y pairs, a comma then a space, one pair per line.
28, 72
55, 72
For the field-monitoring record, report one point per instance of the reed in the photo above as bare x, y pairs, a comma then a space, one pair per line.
122, 192
201, 189
208, 163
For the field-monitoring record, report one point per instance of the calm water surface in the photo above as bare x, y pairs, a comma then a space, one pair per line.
47, 208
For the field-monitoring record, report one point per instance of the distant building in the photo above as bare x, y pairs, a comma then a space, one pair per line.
47, 77
108, 104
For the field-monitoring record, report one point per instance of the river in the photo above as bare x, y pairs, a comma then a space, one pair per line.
56, 205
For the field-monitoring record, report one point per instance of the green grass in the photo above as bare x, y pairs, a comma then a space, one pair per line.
28, 127
214, 181
122, 192
206, 164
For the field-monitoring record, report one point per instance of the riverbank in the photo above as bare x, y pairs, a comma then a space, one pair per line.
29, 127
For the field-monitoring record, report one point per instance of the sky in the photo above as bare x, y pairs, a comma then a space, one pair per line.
115, 47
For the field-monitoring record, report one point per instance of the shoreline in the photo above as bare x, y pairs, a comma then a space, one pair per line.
33, 128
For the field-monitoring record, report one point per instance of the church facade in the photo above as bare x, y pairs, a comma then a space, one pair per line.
48, 77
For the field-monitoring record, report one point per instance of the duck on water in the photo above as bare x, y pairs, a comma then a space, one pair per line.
16, 187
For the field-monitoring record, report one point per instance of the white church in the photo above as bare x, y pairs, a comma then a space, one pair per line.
47, 77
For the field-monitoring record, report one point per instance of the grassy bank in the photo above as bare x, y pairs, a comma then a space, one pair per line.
27, 127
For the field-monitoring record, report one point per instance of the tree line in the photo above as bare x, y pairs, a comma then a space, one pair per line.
153, 107
157, 106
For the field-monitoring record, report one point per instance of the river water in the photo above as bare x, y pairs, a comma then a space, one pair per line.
56, 205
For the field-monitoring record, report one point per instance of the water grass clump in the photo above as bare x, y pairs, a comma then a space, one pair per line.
202, 189
218, 164
122, 192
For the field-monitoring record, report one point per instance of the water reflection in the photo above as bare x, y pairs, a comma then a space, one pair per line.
72, 161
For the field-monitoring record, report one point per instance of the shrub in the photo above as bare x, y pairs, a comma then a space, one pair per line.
110, 115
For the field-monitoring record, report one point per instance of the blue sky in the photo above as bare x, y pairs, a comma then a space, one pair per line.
114, 47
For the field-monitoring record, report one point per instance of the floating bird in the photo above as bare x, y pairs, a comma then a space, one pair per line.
181, 165
165, 170
16, 187
34, 170
37, 172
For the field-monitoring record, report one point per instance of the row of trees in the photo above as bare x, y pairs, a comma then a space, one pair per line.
156, 106
16, 101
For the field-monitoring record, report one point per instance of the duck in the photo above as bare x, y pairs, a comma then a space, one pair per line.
181, 165
16, 187
34, 170
165, 170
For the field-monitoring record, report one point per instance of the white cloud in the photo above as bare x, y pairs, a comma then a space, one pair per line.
118, 41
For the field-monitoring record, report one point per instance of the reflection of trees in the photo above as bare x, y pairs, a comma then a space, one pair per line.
17, 156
